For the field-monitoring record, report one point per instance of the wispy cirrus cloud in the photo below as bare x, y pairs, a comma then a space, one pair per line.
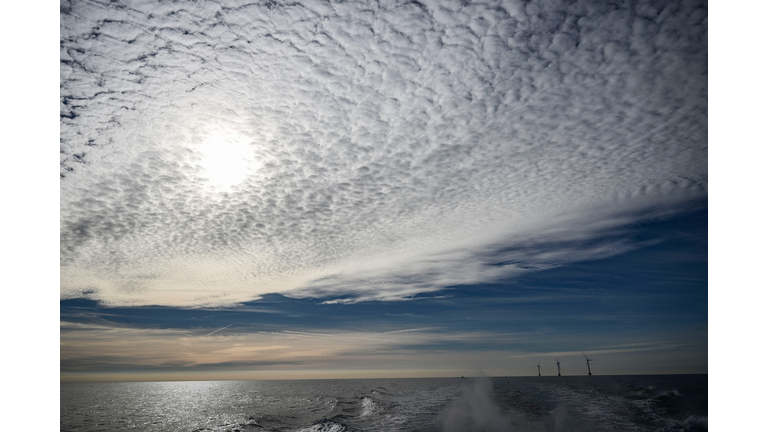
112, 349
105, 347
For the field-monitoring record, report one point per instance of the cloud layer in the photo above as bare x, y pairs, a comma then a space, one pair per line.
397, 148
103, 348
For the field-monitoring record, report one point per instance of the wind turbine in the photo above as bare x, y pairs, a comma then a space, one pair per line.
588, 360
558, 366
539, 366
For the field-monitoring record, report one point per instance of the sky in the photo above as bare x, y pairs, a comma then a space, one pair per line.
362, 189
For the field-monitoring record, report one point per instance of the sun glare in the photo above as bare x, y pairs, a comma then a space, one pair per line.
226, 161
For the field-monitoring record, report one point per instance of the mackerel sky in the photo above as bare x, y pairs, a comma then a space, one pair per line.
421, 187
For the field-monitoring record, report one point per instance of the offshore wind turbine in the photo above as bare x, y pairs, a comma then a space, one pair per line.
558, 366
539, 366
588, 360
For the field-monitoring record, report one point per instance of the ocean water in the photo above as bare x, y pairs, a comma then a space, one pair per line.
658, 403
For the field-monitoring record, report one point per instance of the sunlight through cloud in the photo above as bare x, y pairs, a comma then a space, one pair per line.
226, 161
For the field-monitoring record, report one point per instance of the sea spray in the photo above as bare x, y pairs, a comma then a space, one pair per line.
561, 420
475, 410
368, 406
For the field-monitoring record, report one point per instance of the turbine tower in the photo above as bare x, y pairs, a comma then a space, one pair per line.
588, 360
539, 366
558, 366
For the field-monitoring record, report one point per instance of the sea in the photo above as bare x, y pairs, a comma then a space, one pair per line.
569, 403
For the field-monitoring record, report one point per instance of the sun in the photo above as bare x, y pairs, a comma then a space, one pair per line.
226, 160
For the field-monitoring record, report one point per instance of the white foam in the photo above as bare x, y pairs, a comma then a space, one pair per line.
325, 426
369, 406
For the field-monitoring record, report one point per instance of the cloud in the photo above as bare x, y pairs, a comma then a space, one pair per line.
216, 331
107, 348
398, 148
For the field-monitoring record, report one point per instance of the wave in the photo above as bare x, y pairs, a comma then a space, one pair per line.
691, 424
326, 425
670, 393
369, 406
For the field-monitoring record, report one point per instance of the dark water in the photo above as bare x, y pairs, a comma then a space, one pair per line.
584, 403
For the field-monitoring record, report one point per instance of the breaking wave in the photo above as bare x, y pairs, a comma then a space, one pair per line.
326, 425
691, 424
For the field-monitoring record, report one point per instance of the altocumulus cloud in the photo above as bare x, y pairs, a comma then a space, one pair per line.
395, 148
